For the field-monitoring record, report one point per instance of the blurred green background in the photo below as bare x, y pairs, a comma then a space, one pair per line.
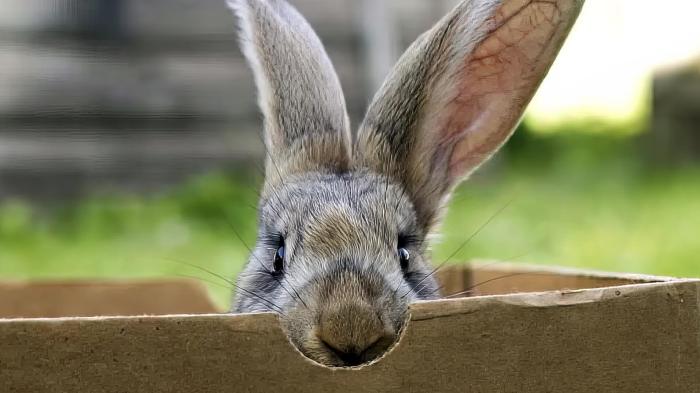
130, 149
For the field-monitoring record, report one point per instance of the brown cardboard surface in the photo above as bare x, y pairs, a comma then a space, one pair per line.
642, 337
85, 299
493, 278
489, 278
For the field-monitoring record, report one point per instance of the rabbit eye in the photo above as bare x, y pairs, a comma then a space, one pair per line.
404, 257
279, 259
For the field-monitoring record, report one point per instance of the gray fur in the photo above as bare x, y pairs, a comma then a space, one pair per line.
341, 215
452, 101
306, 124
349, 229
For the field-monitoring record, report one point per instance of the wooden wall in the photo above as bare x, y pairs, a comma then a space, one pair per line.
131, 94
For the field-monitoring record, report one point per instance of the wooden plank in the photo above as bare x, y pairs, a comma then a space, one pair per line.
79, 81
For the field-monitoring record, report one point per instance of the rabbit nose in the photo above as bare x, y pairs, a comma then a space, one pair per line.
354, 334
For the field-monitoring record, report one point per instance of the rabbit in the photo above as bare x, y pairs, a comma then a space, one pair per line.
345, 222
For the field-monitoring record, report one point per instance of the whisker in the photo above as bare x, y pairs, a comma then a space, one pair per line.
464, 244
470, 289
275, 197
250, 251
203, 280
416, 289
283, 287
470, 238
295, 292
234, 285
479, 268
436, 290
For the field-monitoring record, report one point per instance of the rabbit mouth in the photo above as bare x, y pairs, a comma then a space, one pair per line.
353, 318
357, 356
333, 352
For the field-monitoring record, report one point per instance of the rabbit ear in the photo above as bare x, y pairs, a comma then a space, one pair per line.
458, 92
306, 124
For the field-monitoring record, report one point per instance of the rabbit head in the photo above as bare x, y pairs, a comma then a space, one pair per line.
342, 245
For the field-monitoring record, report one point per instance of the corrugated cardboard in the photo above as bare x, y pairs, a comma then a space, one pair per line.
103, 298
592, 333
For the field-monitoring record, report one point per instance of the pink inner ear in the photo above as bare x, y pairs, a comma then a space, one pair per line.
500, 77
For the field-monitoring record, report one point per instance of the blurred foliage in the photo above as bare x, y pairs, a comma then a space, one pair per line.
578, 199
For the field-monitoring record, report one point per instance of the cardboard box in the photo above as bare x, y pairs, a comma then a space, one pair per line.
534, 330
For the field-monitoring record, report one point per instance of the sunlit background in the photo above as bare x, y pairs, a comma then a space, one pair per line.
130, 147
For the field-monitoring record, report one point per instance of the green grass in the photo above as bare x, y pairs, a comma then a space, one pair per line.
611, 214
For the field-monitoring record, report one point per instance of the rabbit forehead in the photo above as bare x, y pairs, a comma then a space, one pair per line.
326, 217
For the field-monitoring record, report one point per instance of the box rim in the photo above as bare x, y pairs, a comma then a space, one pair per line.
419, 307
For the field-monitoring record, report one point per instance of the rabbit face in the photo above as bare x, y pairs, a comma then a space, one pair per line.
339, 257
341, 248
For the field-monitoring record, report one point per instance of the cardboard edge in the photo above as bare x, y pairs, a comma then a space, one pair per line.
269, 323
443, 307
51, 296
495, 265
263, 322
126, 318
88, 281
